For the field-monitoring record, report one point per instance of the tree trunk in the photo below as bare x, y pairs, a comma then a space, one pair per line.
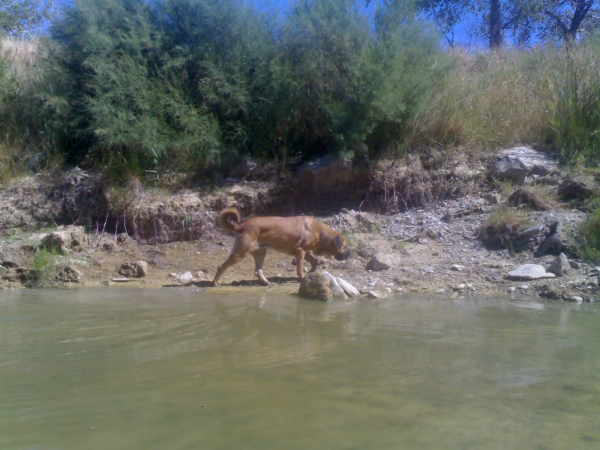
581, 10
496, 28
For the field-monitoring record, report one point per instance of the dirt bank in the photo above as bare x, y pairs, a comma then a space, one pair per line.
434, 247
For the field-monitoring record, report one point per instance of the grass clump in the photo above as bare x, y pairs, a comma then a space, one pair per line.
590, 235
503, 228
43, 267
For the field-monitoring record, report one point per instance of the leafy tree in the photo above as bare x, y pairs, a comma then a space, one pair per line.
523, 19
566, 19
19, 17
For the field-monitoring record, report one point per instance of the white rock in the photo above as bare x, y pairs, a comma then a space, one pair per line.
458, 267
530, 272
185, 277
334, 286
377, 294
511, 289
577, 299
440, 291
347, 287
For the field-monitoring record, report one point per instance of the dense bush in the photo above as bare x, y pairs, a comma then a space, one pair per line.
590, 234
25, 138
184, 84
189, 81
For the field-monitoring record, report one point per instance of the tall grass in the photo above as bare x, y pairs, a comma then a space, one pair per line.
488, 100
546, 97
23, 127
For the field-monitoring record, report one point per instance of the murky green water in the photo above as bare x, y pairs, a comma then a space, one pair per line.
175, 369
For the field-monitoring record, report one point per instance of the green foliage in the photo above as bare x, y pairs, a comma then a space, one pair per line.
20, 17
43, 267
25, 137
574, 79
590, 232
188, 82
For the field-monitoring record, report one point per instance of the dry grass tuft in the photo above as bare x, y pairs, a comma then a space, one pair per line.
503, 227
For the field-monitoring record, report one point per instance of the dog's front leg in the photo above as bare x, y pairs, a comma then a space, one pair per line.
299, 254
314, 262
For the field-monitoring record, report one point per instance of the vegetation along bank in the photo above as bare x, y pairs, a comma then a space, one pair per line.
139, 120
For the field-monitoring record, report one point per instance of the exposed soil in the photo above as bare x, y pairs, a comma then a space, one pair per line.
434, 245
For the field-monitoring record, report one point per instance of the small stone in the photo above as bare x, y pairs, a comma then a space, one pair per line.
379, 262
560, 266
577, 299
137, 269
493, 199
440, 291
511, 289
458, 267
69, 274
377, 294
460, 287
173, 275
200, 274
524, 287
185, 277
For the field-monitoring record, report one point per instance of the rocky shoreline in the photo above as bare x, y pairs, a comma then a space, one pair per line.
435, 248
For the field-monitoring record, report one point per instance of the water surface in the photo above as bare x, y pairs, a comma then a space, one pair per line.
177, 369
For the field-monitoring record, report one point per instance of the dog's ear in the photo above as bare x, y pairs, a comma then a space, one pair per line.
338, 242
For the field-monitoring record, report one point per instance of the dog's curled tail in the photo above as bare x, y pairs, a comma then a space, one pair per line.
230, 220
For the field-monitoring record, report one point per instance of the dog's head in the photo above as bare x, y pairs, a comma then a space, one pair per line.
341, 251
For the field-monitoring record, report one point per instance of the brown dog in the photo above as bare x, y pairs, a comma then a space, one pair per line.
298, 236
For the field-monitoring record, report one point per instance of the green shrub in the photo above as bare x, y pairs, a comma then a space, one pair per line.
188, 82
43, 267
590, 233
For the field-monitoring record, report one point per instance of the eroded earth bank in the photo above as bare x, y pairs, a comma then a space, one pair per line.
446, 224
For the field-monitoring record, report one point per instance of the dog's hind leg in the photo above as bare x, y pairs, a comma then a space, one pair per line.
259, 258
233, 259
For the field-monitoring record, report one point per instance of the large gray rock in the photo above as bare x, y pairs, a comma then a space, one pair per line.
529, 272
14, 255
65, 239
560, 267
572, 188
316, 286
380, 262
69, 274
137, 269
519, 163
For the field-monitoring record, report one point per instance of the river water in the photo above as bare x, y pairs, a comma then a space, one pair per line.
183, 369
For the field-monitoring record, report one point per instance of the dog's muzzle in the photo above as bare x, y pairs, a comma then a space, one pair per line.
343, 256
